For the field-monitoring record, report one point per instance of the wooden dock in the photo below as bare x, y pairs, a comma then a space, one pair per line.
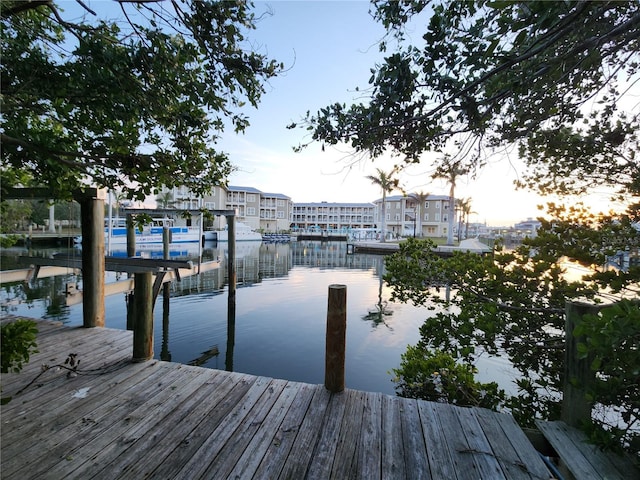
118, 419
469, 245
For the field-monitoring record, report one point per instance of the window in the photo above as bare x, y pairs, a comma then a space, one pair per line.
437, 205
446, 206
251, 211
388, 216
281, 203
280, 214
426, 204
437, 217
426, 217
445, 218
210, 205
251, 197
397, 217
397, 205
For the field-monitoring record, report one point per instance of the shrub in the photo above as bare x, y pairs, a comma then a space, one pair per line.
18, 342
436, 376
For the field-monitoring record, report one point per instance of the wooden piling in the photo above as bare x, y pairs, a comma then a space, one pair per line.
336, 338
131, 236
166, 240
578, 376
143, 322
131, 252
231, 265
93, 271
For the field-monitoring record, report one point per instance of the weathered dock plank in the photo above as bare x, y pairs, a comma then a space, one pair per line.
370, 442
585, 460
512, 464
392, 455
255, 450
122, 420
414, 441
456, 443
207, 420
280, 447
306, 437
325, 449
346, 455
156, 439
484, 459
440, 461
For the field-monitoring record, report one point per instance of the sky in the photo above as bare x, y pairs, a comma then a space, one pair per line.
328, 49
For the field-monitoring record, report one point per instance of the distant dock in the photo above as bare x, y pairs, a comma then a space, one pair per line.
45, 239
470, 245
321, 236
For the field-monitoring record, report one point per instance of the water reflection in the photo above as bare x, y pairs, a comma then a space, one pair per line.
42, 297
276, 327
381, 309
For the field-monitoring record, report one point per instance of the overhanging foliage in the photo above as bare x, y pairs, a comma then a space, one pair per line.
133, 105
550, 77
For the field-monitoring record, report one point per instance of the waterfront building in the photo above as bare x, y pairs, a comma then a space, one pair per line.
527, 228
474, 229
275, 212
332, 216
266, 212
405, 217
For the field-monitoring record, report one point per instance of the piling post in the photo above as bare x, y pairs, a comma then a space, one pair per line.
131, 236
166, 296
166, 240
231, 262
578, 376
336, 338
93, 272
143, 321
131, 252
231, 301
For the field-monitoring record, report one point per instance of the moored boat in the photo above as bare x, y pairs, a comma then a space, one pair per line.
115, 233
243, 233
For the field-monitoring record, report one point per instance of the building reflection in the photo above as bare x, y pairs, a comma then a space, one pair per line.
257, 261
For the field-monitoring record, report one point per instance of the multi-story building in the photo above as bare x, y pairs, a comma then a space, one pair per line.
268, 212
527, 228
406, 216
332, 217
275, 212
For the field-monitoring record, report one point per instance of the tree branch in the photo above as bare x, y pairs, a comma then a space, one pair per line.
20, 7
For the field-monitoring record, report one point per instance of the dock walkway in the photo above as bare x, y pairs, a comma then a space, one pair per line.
469, 245
118, 419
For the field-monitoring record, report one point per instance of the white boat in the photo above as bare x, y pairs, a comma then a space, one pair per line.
243, 233
151, 233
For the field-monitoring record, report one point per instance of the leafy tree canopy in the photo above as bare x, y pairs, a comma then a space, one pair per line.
551, 78
512, 304
130, 106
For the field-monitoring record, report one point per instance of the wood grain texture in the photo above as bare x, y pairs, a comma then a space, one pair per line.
164, 420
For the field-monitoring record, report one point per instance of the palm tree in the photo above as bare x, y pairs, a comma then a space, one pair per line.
450, 172
420, 198
387, 183
465, 212
165, 199
119, 199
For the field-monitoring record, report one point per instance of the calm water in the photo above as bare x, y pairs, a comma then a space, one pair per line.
281, 313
